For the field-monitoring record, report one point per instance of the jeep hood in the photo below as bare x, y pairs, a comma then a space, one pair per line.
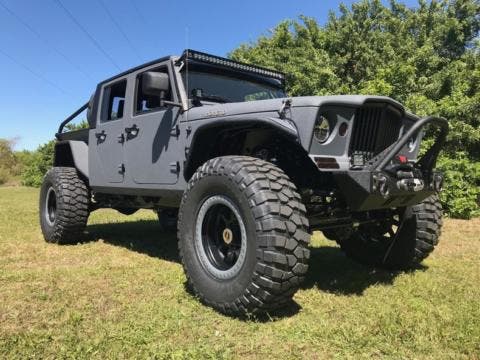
274, 105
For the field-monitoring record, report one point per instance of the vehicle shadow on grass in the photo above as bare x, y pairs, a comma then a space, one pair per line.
143, 236
330, 270
146, 237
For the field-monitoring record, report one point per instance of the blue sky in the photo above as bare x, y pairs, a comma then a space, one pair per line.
48, 73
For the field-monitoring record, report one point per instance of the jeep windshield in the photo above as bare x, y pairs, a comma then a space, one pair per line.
211, 86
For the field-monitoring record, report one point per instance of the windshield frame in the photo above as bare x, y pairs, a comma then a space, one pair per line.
228, 72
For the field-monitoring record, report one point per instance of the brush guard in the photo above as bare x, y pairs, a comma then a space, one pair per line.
384, 183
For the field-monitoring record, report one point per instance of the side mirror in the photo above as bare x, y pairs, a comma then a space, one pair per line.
155, 83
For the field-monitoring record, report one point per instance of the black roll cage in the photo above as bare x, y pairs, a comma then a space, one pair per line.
70, 118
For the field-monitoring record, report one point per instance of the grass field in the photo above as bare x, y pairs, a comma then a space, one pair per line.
122, 295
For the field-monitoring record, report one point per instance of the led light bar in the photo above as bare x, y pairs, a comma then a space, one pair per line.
217, 60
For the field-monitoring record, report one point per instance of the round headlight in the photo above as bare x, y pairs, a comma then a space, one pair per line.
322, 129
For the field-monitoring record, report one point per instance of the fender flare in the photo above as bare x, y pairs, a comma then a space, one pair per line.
72, 153
284, 126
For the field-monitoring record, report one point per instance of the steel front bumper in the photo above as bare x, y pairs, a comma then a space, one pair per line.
387, 183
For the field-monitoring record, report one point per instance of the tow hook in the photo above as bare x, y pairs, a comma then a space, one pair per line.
410, 184
380, 184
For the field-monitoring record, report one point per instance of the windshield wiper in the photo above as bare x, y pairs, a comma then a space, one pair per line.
215, 98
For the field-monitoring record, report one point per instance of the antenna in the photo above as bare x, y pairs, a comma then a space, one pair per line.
187, 87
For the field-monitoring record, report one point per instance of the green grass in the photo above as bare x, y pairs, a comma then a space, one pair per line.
123, 295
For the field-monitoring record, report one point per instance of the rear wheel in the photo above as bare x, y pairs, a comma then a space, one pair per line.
401, 238
64, 205
243, 235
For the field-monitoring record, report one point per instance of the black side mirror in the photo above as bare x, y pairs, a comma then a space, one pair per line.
155, 83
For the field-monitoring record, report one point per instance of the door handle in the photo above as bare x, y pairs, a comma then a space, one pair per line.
132, 131
100, 136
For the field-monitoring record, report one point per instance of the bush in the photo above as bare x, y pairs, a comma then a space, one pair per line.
9, 166
460, 198
37, 164
5, 175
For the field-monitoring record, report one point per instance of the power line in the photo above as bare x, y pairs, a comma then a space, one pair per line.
33, 72
117, 25
137, 10
145, 21
92, 39
46, 42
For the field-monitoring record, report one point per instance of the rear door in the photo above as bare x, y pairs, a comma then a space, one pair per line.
153, 146
106, 140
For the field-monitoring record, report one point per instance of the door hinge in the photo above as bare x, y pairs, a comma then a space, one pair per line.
121, 168
175, 131
175, 167
101, 136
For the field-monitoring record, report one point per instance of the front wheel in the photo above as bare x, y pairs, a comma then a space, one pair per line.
243, 235
400, 239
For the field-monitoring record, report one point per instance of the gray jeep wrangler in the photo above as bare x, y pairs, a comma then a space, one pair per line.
246, 173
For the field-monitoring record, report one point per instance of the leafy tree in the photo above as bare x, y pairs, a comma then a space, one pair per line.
7, 160
37, 164
81, 125
426, 57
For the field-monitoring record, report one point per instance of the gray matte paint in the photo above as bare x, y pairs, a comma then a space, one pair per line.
150, 158
106, 156
80, 156
79, 151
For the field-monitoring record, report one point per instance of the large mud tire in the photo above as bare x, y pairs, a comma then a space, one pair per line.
418, 233
64, 206
268, 228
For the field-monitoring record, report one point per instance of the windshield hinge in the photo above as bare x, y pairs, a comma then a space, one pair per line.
286, 105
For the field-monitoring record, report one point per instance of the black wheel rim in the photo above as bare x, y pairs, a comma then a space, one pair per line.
51, 206
385, 229
383, 234
221, 237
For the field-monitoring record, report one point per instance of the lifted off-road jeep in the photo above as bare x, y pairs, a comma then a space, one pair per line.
246, 174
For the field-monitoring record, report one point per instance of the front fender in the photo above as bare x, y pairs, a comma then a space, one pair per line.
208, 129
285, 126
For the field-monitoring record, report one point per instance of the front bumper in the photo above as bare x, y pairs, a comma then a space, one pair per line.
386, 183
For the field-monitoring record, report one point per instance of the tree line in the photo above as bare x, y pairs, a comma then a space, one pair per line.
28, 167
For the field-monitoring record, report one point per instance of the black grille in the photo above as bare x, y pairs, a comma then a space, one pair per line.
374, 129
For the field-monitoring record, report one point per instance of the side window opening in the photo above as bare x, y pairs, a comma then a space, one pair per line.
114, 101
145, 102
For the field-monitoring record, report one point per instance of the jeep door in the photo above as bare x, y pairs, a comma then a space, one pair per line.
105, 141
153, 147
